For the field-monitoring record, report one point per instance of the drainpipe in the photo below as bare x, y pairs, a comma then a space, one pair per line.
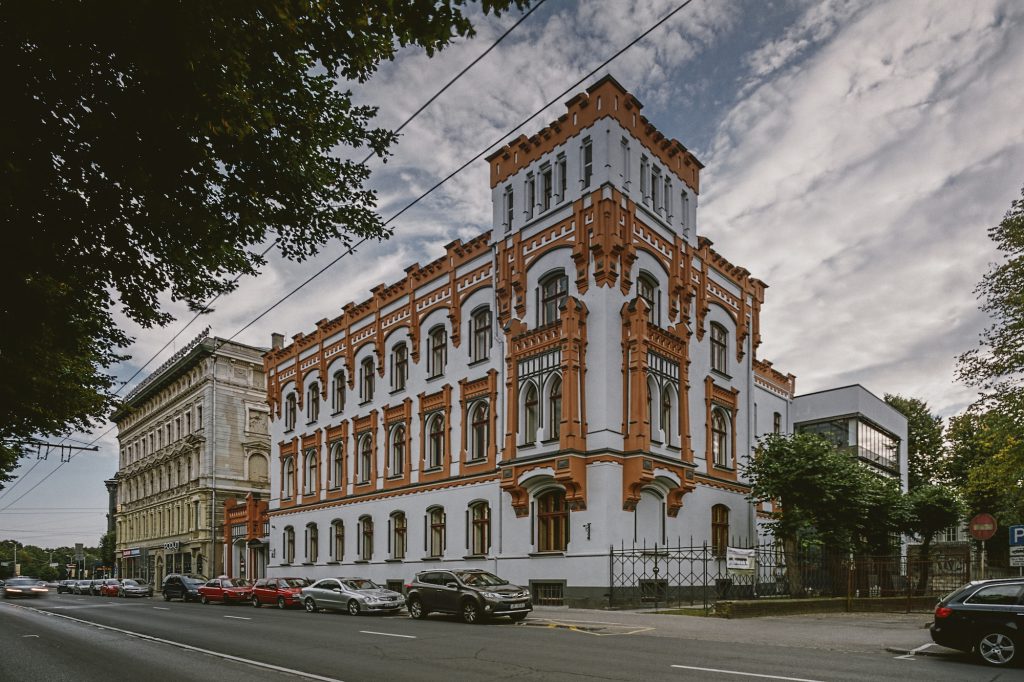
213, 468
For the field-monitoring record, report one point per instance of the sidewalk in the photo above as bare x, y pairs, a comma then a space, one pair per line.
861, 632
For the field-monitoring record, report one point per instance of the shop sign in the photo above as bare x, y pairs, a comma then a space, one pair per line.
129, 553
172, 546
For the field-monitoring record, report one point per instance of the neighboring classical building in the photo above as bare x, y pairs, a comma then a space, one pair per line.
191, 435
582, 376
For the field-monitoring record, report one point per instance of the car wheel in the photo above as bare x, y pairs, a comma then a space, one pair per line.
167, 597
310, 605
517, 617
416, 609
280, 602
353, 607
997, 648
204, 600
256, 602
470, 612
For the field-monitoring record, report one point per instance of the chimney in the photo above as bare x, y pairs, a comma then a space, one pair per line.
277, 341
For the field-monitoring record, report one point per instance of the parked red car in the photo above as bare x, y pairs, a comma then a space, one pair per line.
225, 590
284, 592
110, 587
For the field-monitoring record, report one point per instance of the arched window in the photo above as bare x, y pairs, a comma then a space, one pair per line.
436, 520
435, 441
554, 289
396, 467
647, 289
437, 350
312, 543
289, 412
552, 522
365, 538
366, 380
719, 348
309, 472
652, 392
338, 394
288, 478
555, 408
337, 463
399, 366
337, 540
288, 549
399, 535
480, 349
365, 458
666, 414
480, 521
530, 414
313, 402
720, 438
478, 438
719, 529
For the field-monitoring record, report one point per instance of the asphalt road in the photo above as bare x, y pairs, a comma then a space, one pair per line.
57, 638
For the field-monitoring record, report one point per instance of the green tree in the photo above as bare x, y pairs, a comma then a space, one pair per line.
106, 548
155, 148
925, 444
932, 509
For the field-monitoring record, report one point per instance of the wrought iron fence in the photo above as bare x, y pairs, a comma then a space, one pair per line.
698, 575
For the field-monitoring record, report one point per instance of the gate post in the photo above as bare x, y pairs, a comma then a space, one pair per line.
611, 575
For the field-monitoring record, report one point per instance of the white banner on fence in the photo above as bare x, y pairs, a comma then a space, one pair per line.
739, 560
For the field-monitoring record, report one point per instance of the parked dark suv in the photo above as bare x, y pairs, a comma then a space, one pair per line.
986, 616
183, 586
473, 594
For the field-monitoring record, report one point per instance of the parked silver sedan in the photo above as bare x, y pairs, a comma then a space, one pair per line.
354, 595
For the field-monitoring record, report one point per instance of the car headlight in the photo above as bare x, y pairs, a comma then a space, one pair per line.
491, 595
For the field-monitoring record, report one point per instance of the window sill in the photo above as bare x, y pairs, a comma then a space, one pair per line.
720, 373
722, 467
431, 558
362, 483
291, 430
475, 557
396, 391
333, 563
545, 554
435, 377
430, 470
476, 460
311, 422
337, 412
308, 563
361, 561
284, 563
550, 441
526, 446
393, 561
479, 361
366, 402
396, 477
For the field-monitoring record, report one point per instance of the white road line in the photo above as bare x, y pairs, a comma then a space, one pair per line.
189, 647
910, 654
386, 634
162, 608
238, 617
737, 672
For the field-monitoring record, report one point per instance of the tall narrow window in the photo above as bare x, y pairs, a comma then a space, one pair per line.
309, 472
684, 211
719, 348
656, 189
312, 543
338, 394
365, 459
397, 465
552, 522
435, 441
509, 207
719, 529
720, 438
288, 478
437, 531
666, 195
776, 423
480, 519
438, 350
337, 471
531, 195
554, 289
478, 439
666, 415
366, 380
562, 179
647, 289
338, 540
624, 146
645, 169
289, 545
399, 535
481, 344
289, 412
555, 408
399, 366
587, 165
313, 402
547, 187
366, 537
530, 416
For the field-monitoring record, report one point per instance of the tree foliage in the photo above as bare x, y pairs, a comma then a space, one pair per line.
153, 149
925, 443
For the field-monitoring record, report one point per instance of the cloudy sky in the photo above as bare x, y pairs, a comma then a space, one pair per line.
856, 153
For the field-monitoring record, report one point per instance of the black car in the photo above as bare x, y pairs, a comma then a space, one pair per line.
24, 587
473, 594
986, 616
183, 586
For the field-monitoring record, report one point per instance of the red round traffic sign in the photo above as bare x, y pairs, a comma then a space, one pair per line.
982, 527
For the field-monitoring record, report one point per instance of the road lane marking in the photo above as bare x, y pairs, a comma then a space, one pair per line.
737, 672
910, 654
386, 634
182, 645
238, 617
24, 636
162, 608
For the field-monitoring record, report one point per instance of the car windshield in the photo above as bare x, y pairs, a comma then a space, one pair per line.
21, 582
359, 584
480, 578
293, 582
191, 582
129, 583
235, 582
